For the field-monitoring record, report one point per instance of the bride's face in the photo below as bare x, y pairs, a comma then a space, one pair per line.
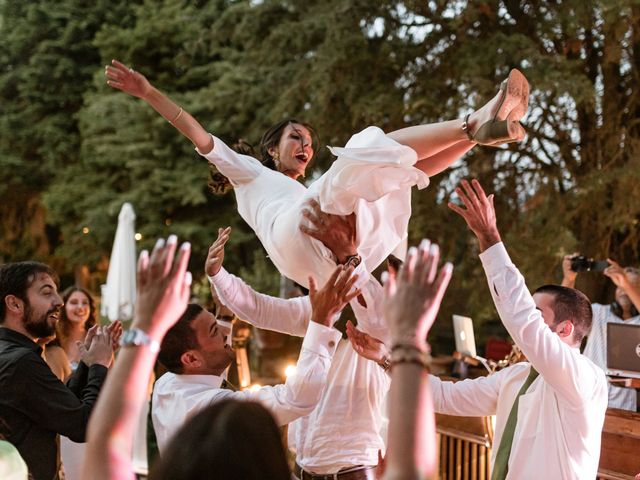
295, 150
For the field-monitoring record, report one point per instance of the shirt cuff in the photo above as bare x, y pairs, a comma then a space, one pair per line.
495, 258
219, 278
321, 340
213, 152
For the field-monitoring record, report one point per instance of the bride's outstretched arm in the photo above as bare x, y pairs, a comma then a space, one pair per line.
123, 78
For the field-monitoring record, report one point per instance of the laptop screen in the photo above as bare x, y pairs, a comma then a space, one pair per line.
623, 347
463, 332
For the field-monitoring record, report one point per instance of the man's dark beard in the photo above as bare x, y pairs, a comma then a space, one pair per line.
38, 327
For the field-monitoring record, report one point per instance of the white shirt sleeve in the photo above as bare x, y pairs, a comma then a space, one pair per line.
568, 372
238, 168
290, 316
471, 398
299, 395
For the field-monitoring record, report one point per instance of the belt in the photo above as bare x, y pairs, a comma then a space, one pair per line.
363, 473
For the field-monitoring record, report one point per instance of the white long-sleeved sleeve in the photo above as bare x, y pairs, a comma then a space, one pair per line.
472, 398
568, 372
238, 168
300, 394
290, 316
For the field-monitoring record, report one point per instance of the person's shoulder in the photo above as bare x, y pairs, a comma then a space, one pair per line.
599, 310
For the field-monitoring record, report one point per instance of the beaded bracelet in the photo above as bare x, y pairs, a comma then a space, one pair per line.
408, 354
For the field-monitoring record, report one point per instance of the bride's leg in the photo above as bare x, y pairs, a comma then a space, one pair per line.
430, 139
443, 159
510, 104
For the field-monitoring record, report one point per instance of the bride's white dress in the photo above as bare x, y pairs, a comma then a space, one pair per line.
372, 176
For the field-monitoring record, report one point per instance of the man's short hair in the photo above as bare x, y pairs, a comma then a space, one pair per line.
180, 338
16, 278
570, 304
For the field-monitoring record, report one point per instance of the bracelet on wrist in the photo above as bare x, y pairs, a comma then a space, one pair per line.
409, 353
172, 122
422, 347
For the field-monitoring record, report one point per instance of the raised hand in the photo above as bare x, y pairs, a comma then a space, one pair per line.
215, 257
365, 345
479, 213
413, 297
163, 287
568, 275
327, 302
336, 232
123, 78
617, 274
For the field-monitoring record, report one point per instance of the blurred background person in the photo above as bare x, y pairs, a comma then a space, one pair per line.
624, 309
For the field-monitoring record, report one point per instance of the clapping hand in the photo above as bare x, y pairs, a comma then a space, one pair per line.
215, 257
123, 78
97, 347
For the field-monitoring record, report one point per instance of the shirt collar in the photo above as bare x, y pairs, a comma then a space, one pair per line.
17, 337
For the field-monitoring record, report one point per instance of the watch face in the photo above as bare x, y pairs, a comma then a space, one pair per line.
354, 261
133, 337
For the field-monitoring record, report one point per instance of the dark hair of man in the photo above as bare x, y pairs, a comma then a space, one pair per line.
16, 278
180, 338
570, 304
231, 439
271, 138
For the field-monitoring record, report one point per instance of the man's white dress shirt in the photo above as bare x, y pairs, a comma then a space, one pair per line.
596, 350
372, 176
177, 397
344, 429
560, 417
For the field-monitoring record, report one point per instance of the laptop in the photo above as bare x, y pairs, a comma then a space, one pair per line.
623, 350
463, 332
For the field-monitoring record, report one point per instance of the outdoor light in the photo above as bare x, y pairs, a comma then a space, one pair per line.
290, 370
138, 236
85, 230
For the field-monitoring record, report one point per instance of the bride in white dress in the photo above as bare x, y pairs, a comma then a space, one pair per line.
371, 177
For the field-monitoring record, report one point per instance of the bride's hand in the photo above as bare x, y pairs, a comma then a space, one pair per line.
127, 79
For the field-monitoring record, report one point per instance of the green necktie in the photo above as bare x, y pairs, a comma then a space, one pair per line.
228, 386
501, 465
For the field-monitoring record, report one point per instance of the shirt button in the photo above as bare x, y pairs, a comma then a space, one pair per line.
332, 344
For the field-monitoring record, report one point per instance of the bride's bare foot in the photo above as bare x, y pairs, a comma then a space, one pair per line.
510, 103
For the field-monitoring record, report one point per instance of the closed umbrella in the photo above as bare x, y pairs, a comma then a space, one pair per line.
119, 294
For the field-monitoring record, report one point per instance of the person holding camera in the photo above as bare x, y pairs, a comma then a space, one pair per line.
623, 309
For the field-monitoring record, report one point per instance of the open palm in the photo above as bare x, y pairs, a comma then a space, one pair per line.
123, 78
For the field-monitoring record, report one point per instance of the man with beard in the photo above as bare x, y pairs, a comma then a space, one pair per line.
35, 406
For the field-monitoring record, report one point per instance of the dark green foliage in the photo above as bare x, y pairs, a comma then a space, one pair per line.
72, 150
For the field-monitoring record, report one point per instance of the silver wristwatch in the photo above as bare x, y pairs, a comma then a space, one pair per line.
135, 337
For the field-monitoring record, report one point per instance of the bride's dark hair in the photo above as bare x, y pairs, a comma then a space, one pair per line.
219, 184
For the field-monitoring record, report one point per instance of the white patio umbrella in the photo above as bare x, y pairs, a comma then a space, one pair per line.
118, 300
119, 294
